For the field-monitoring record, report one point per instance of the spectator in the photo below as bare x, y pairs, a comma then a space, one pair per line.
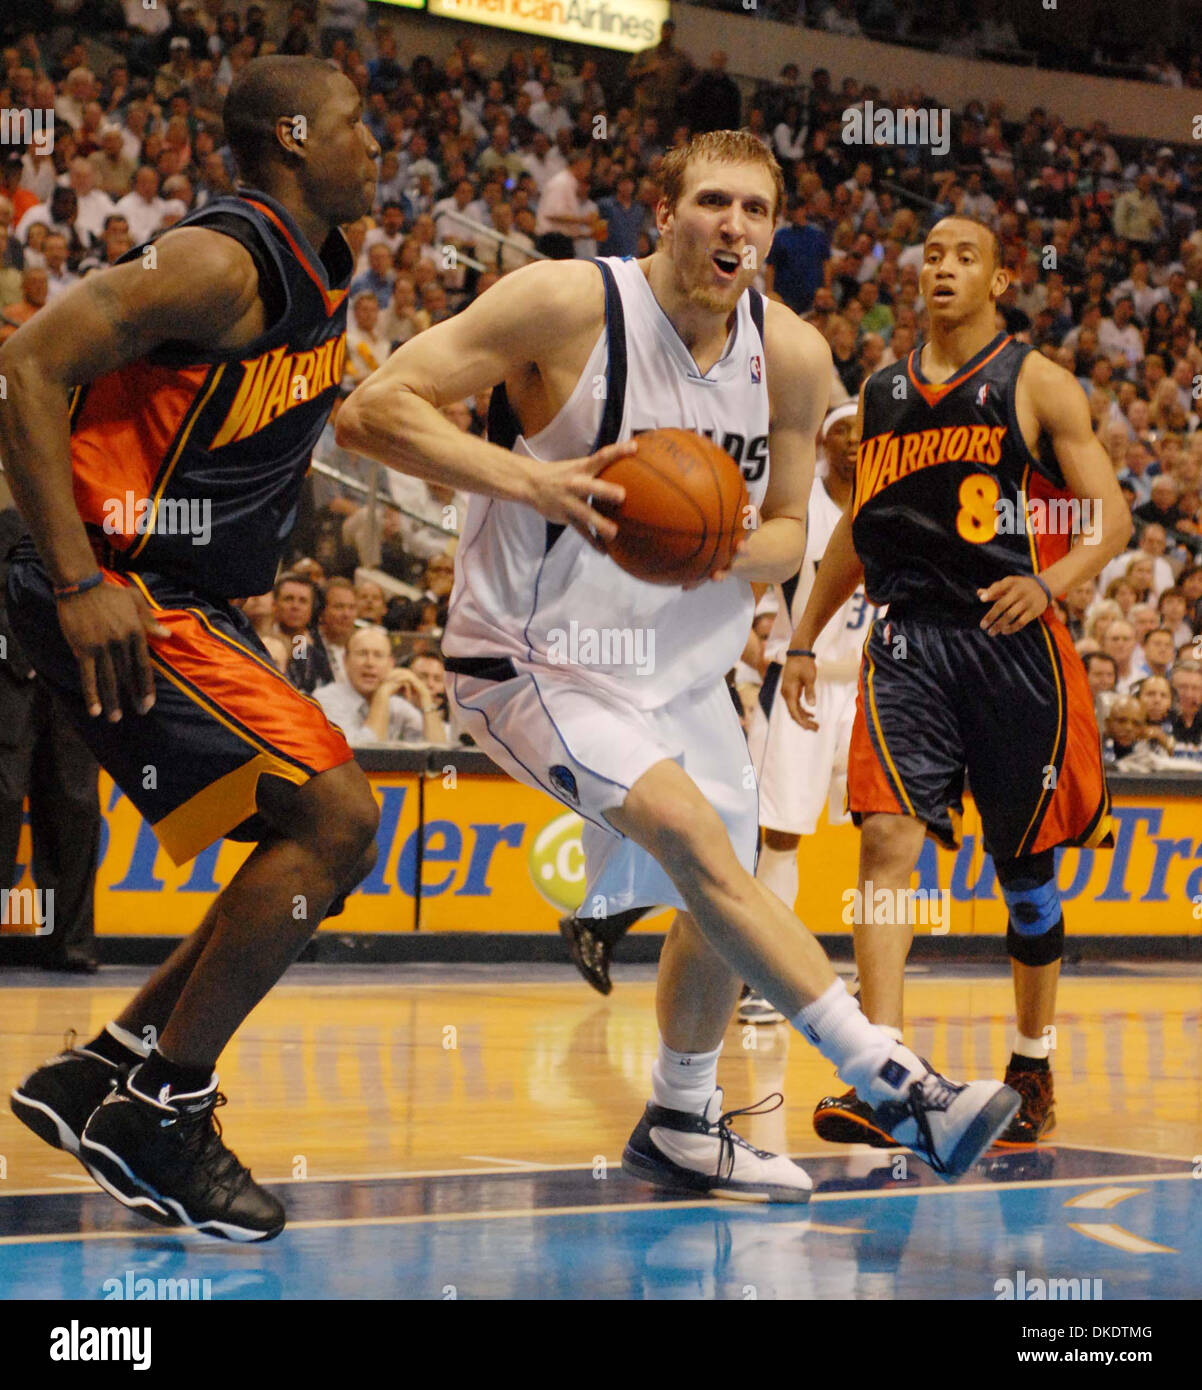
795, 267
1186, 721
35, 289
1127, 747
367, 348
339, 612
658, 75
1137, 216
1159, 651
1161, 506
410, 615
712, 100
143, 208
378, 278
1119, 642
498, 254
562, 206
369, 706
1171, 611
371, 601
840, 18
623, 218
93, 205
295, 599
59, 275
1155, 697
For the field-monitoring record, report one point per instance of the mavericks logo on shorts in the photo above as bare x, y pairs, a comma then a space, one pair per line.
564, 781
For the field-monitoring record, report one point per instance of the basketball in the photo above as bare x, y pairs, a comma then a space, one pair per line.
684, 511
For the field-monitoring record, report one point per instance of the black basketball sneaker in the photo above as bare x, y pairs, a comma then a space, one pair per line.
1037, 1115
846, 1119
57, 1099
164, 1158
590, 954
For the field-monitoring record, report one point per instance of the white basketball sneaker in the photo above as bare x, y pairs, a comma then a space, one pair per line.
948, 1124
679, 1151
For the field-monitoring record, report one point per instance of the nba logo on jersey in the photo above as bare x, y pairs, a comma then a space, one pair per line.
982, 393
757, 371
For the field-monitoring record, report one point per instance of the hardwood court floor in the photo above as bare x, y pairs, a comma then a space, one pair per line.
435, 1128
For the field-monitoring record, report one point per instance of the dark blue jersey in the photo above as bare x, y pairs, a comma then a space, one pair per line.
189, 462
948, 498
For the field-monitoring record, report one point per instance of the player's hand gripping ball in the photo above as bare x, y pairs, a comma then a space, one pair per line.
685, 509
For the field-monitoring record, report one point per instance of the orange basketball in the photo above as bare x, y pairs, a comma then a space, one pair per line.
685, 508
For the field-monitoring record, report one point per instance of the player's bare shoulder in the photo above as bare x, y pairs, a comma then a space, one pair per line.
557, 302
799, 364
1048, 397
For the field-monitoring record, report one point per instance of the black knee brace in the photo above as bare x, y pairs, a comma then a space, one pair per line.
1035, 933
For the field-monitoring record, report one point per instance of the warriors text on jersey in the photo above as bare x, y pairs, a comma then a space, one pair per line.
523, 587
189, 462
941, 472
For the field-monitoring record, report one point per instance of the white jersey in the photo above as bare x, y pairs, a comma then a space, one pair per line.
530, 591
837, 648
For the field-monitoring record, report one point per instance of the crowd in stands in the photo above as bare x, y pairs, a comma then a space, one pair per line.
542, 157
991, 29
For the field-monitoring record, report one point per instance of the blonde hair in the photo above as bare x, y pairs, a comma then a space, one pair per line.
723, 147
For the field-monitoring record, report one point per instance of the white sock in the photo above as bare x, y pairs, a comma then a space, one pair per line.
127, 1039
777, 871
684, 1080
865, 1056
1031, 1047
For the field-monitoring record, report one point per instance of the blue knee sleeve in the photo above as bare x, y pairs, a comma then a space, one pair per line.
1035, 934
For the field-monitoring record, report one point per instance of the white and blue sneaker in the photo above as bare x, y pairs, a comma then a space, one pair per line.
679, 1151
948, 1124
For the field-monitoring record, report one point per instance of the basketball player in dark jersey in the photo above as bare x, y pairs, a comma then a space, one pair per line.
973, 450
158, 424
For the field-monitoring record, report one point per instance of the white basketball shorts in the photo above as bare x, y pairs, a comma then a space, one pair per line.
587, 750
801, 770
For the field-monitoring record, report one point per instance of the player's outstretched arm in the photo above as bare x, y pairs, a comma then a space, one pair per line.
799, 378
202, 286
509, 331
839, 574
1062, 411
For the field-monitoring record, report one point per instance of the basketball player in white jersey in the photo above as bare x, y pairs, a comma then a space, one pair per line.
802, 770
643, 742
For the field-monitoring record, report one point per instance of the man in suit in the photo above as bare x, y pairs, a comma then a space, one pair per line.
42, 757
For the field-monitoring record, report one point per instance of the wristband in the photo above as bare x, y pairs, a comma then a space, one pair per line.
1044, 587
80, 586
801, 651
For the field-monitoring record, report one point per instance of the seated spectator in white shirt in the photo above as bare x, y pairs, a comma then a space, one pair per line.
402, 319
58, 275
550, 115
391, 229
369, 706
495, 253
143, 208
92, 204
1159, 651
1119, 337
366, 347
544, 161
1119, 643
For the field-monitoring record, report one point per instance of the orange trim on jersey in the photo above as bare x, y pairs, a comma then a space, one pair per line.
165, 478
124, 431
330, 298
933, 394
1078, 811
1047, 545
